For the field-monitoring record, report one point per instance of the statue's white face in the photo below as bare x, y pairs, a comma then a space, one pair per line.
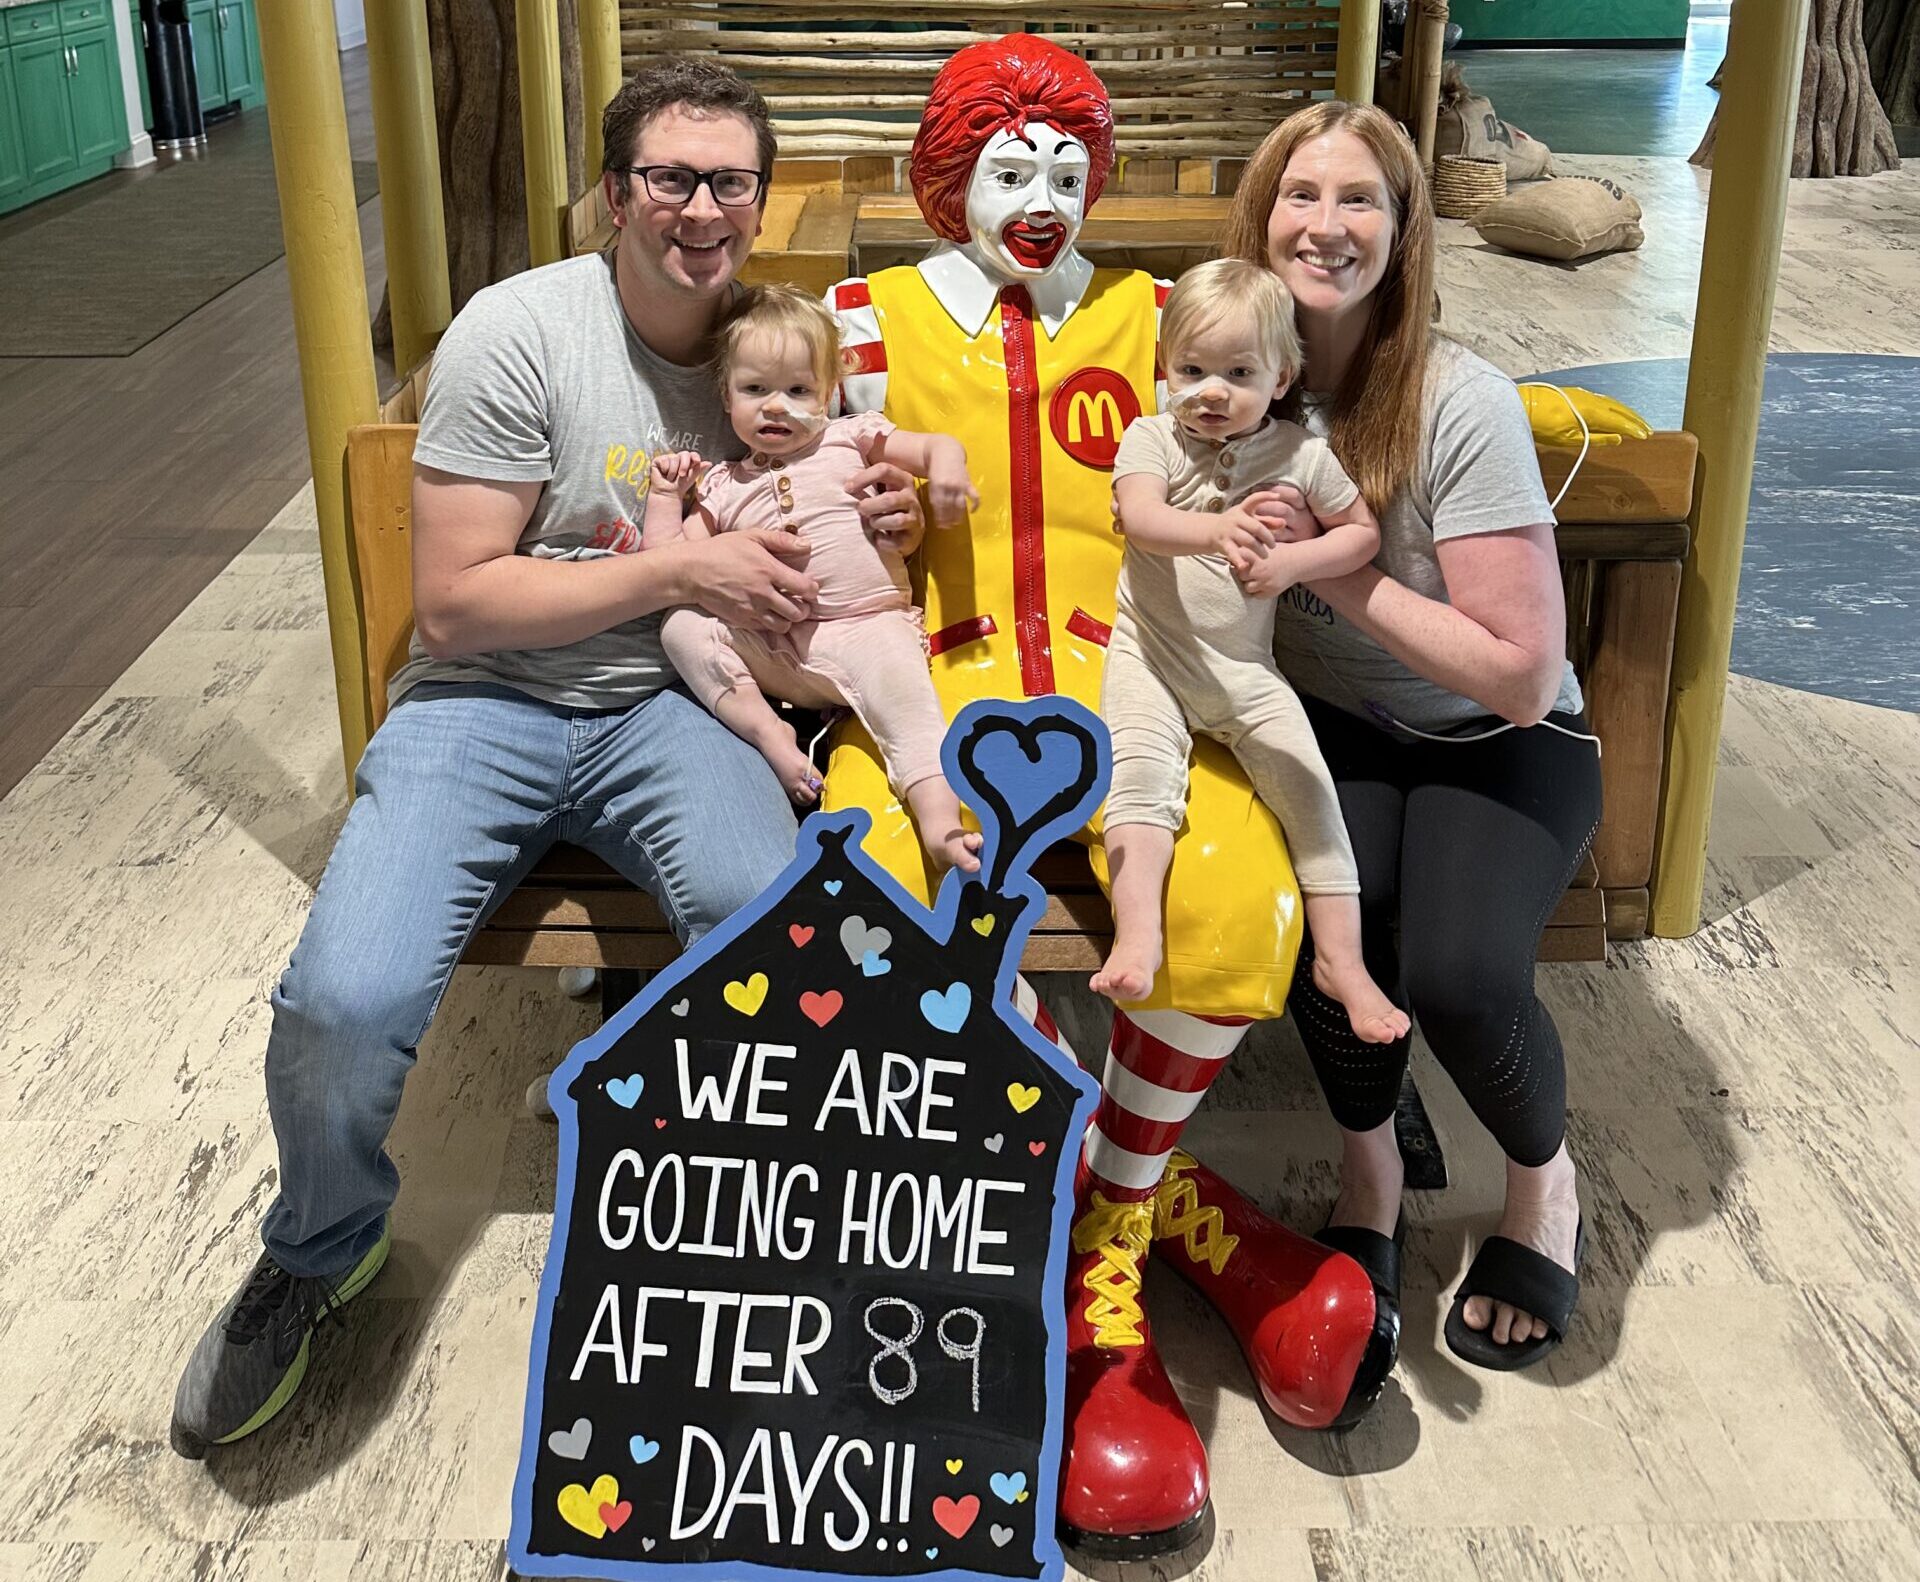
1027, 200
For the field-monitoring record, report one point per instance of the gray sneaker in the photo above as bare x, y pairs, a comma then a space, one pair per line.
253, 1356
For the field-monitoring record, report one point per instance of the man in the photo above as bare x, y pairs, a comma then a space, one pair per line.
537, 704
1007, 336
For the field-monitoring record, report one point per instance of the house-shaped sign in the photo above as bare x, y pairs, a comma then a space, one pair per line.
802, 1313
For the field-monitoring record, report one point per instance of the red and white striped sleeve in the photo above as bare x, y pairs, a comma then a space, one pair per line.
1160, 290
865, 390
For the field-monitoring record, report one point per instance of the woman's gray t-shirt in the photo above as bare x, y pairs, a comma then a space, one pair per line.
541, 379
1478, 474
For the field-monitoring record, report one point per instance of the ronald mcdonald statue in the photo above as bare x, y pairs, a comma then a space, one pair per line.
1007, 337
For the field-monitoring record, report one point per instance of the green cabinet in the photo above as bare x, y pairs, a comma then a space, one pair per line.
46, 115
93, 92
226, 52
62, 114
13, 153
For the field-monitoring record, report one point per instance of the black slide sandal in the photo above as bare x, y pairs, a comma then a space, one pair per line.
1505, 1271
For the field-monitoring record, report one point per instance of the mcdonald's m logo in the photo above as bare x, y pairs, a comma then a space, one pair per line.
1089, 412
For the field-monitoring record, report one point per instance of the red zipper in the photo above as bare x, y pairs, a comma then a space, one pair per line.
1029, 508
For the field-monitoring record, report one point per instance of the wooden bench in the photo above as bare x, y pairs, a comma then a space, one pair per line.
1622, 537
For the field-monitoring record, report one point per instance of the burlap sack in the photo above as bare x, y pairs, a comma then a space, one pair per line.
1468, 126
1569, 217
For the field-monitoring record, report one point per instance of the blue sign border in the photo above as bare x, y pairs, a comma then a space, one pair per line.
937, 925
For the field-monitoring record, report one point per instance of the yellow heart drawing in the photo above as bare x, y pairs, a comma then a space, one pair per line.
983, 926
580, 1507
1020, 1498
748, 997
1022, 1098
955, 1466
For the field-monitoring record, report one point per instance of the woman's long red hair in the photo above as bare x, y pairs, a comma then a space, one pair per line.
1378, 414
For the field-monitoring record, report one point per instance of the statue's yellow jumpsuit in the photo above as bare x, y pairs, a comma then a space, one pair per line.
1020, 598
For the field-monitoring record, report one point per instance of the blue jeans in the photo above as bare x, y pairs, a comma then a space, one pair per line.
460, 793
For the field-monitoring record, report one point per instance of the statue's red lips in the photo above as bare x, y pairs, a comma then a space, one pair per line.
1033, 246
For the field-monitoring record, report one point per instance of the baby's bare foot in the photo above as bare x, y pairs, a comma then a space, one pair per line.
795, 769
1375, 1019
958, 848
1127, 974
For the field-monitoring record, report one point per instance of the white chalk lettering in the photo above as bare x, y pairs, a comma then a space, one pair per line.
760, 1084
706, 1100
847, 1074
619, 1241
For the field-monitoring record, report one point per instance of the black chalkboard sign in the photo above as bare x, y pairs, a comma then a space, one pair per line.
802, 1312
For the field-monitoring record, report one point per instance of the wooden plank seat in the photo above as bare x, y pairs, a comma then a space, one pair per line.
1622, 535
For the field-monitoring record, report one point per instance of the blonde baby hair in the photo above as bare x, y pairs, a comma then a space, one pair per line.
779, 311
1232, 291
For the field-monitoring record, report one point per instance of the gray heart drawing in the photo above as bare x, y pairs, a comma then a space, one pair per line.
572, 1442
647, 1544
996, 1142
679, 1007
857, 939
1001, 1536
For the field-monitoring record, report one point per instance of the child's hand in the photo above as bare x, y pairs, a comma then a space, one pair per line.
1284, 510
1270, 577
950, 492
678, 472
1240, 536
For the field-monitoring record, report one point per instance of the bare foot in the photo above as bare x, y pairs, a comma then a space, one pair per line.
1542, 1212
746, 713
1372, 1176
782, 749
1375, 1019
958, 848
1127, 973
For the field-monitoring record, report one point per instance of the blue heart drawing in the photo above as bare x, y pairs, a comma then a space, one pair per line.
1008, 1485
933, 1554
947, 1011
1027, 783
831, 886
625, 1091
874, 966
642, 1449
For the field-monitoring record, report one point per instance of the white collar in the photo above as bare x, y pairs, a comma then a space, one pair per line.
969, 293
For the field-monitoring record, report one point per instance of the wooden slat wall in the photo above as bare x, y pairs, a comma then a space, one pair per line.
1194, 82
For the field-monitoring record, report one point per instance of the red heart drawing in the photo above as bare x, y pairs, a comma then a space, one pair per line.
955, 1516
1036, 1149
659, 1123
615, 1516
798, 934
820, 1009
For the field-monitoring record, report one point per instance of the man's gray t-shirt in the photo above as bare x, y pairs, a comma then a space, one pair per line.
542, 380
1477, 474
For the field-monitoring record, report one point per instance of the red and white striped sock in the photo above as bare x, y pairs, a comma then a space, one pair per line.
1158, 1066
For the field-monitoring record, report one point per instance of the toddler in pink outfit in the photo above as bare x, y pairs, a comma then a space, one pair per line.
864, 645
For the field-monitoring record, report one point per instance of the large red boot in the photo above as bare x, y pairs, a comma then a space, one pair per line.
1318, 1343
1133, 1481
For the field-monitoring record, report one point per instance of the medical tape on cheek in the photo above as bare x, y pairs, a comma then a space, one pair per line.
1186, 399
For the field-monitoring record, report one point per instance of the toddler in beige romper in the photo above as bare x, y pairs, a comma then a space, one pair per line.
1192, 647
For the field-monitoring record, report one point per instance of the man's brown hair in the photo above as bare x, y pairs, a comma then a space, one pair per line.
688, 82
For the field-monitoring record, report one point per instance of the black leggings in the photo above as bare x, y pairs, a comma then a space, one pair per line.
1464, 850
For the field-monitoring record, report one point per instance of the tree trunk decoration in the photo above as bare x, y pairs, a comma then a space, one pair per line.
1893, 54
476, 102
1841, 129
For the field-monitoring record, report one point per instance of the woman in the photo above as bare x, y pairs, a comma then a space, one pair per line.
1437, 682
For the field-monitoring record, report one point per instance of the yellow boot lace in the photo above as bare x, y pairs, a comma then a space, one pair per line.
1177, 1211
1121, 1233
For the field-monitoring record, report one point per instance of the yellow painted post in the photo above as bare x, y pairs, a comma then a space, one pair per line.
306, 115
408, 148
1359, 51
543, 137
1739, 266
600, 72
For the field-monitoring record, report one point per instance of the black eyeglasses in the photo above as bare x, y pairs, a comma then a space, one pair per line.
676, 184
